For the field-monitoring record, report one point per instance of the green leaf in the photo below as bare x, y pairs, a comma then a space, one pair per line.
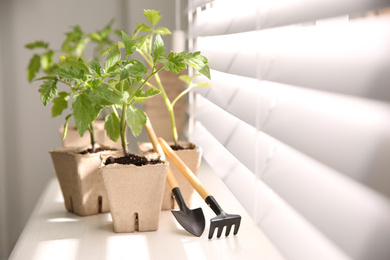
125, 85
135, 118
72, 40
124, 74
48, 89
162, 31
136, 69
70, 73
152, 16
141, 27
37, 44
66, 126
83, 112
141, 94
33, 67
77, 64
47, 60
129, 44
95, 36
186, 78
108, 97
60, 103
198, 62
95, 66
113, 57
112, 126
158, 50
203, 84
175, 63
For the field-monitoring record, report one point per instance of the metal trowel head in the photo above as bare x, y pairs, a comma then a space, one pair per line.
191, 220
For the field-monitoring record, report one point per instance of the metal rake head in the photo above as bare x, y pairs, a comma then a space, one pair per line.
224, 220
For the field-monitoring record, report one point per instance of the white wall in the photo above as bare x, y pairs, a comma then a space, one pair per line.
27, 131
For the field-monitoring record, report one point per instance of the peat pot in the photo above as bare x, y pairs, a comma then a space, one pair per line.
80, 180
134, 194
191, 156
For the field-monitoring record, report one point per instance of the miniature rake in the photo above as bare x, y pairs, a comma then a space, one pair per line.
222, 219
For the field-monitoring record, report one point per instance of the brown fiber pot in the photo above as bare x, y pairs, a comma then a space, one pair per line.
191, 156
80, 180
134, 195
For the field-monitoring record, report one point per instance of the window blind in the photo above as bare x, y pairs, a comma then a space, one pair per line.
297, 121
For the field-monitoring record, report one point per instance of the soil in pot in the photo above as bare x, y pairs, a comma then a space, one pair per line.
134, 187
80, 181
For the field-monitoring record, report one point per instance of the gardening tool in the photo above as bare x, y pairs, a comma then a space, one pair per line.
222, 219
191, 220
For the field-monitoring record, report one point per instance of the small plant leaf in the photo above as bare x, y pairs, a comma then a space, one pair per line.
203, 84
141, 94
158, 50
112, 126
67, 73
66, 126
33, 67
141, 27
78, 65
83, 112
162, 31
113, 57
73, 39
186, 78
60, 103
124, 74
107, 96
37, 44
129, 44
152, 16
95, 66
47, 60
197, 61
136, 69
175, 63
48, 89
135, 119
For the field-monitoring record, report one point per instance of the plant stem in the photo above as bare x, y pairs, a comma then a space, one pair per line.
92, 134
123, 129
155, 72
169, 107
181, 95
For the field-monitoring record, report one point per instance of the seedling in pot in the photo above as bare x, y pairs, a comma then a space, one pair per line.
74, 73
131, 76
195, 60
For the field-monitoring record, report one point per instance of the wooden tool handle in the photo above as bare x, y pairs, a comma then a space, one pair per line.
183, 168
157, 148
153, 138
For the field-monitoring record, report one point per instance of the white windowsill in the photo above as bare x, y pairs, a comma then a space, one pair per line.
54, 233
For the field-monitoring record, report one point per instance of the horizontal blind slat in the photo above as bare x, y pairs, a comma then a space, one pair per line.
353, 59
325, 126
331, 202
289, 172
270, 210
227, 17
